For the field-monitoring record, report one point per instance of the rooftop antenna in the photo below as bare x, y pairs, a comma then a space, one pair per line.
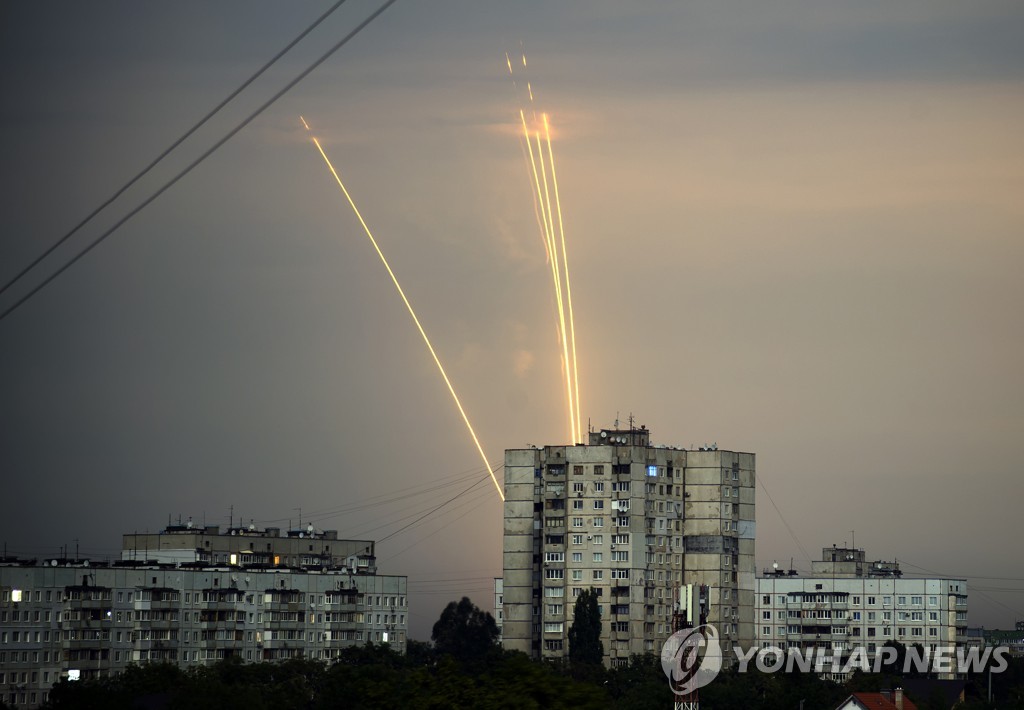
231, 517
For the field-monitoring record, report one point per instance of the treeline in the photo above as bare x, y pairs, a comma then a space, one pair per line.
465, 668
377, 677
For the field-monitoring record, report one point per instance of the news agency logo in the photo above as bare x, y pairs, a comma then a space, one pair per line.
691, 658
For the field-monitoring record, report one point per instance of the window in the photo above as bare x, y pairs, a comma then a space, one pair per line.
577, 557
871, 601
577, 575
916, 600
620, 556
598, 557
766, 599
598, 505
598, 574
554, 557
554, 574
577, 504
901, 600
933, 601
599, 470
578, 471
577, 522
553, 627
856, 600
620, 574
577, 487
599, 487
552, 592
577, 539
766, 615
598, 539
598, 522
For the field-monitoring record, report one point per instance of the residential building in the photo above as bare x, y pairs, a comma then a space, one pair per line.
64, 618
885, 700
499, 603
635, 522
848, 602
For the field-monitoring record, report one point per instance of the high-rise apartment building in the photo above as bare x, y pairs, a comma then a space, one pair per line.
192, 596
635, 522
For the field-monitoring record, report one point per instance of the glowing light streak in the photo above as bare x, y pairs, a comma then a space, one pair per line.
556, 273
546, 226
412, 312
544, 189
568, 289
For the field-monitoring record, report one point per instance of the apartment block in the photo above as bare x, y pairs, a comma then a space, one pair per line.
848, 602
63, 618
634, 521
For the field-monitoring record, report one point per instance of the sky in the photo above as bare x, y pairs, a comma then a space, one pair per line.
794, 228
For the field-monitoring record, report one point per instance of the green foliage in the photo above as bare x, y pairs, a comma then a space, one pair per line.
585, 647
375, 676
464, 631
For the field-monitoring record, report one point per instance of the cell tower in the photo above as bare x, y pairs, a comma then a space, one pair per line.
691, 604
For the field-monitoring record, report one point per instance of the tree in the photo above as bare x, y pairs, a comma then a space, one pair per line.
464, 631
585, 647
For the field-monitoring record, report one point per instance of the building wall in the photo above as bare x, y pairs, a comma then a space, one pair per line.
844, 612
55, 620
635, 522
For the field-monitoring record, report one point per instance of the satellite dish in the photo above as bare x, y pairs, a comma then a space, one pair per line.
604, 435
53, 563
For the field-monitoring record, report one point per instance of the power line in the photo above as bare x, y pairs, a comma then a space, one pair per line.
434, 510
287, 87
245, 84
782, 518
430, 535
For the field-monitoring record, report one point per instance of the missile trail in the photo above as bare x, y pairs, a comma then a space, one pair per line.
558, 293
548, 240
568, 289
408, 305
542, 189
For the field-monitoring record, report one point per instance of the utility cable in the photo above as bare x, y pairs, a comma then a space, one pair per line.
245, 84
287, 87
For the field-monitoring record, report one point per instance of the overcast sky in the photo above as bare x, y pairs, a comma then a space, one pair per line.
794, 228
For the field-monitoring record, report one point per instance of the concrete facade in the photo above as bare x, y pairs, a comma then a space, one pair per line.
76, 618
859, 604
635, 522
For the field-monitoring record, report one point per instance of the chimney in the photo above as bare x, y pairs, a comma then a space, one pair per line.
897, 698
